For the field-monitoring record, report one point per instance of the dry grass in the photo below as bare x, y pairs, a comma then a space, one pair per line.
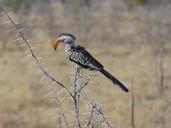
131, 57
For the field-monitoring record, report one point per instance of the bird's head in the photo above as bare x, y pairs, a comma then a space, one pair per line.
64, 38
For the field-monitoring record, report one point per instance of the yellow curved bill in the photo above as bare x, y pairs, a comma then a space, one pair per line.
55, 43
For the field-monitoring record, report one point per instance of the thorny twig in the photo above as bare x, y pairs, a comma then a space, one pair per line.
132, 109
76, 96
36, 60
99, 112
78, 86
91, 116
96, 110
59, 104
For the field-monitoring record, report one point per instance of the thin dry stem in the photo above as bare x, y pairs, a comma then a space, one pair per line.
76, 97
132, 109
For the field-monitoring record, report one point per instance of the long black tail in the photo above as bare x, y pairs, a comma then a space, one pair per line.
113, 79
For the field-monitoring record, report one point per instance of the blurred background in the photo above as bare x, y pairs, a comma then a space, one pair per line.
131, 38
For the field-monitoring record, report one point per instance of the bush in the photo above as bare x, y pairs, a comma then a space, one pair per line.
135, 2
17, 4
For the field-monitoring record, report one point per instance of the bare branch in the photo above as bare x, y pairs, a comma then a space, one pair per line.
59, 104
91, 116
98, 110
161, 68
22, 36
76, 96
132, 109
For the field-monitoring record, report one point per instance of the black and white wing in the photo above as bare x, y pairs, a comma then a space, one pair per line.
83, 58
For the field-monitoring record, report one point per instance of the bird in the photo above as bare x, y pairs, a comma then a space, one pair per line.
82, 58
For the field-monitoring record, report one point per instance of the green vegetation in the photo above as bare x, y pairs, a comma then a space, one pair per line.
16, 5
137, 2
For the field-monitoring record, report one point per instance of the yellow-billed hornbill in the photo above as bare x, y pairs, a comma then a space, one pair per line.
80, 56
